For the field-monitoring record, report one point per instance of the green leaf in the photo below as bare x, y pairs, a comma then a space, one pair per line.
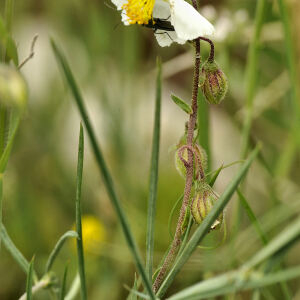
103, 168
153, 176
182, 104
8, 44
251, 73
286, 237
14, 251
29, 281
252, 217
232, 282
6, 153
215, 176
57, 248
205, 226
64, 284
80, 254
292, 67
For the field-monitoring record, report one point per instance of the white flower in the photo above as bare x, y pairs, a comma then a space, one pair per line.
188, 23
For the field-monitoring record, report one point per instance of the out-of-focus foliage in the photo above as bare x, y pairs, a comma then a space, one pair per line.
114, 66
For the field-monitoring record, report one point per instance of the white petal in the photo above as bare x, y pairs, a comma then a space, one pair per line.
188, 23
166, 38
161, 10
125, 18
119, 3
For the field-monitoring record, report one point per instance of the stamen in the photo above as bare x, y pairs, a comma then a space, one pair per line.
139, 11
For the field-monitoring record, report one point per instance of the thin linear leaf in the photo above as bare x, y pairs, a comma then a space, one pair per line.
262, 236
29, 281
64, 284
252, 217
251, 73
14, 251
74, 289
137, 293
153, 176
205, 226
103, 168
182, 104
1, 204
6, 153
58, 246
9, 48
292, 66
287, 236
215, 176
80, 255
233, 282
132, 295
9, 8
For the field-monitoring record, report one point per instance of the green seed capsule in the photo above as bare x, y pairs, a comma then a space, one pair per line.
215, 85
200, 159
203, 203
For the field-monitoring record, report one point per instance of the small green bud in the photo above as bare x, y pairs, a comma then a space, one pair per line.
199, 154
13, 89
203, 203
215, 85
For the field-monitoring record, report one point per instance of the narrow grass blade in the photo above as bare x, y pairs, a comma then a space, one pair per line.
286, 237
3, 116
103, 168
261, 234
234, 282
203, 126
14, 251
74, 289
252, 217
6, 153
132, 295
202, 230
9, 49
58, 246
137, 293
153, 176
29, 281
1, 203
9, 7
292, 66
251, 73
64, 284
81, 268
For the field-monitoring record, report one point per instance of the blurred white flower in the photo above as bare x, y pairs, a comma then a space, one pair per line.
186, 22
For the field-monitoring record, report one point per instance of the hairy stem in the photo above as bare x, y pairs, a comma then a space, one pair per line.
189, 175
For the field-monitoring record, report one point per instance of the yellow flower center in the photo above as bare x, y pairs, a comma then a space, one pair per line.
139, 11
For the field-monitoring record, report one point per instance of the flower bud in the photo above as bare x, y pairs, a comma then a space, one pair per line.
214, 86
199, 158
203, 203
13, 89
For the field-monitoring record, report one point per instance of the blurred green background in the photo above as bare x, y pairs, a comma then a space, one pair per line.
115, 68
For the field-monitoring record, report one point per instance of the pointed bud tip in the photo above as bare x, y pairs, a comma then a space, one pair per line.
214, 85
